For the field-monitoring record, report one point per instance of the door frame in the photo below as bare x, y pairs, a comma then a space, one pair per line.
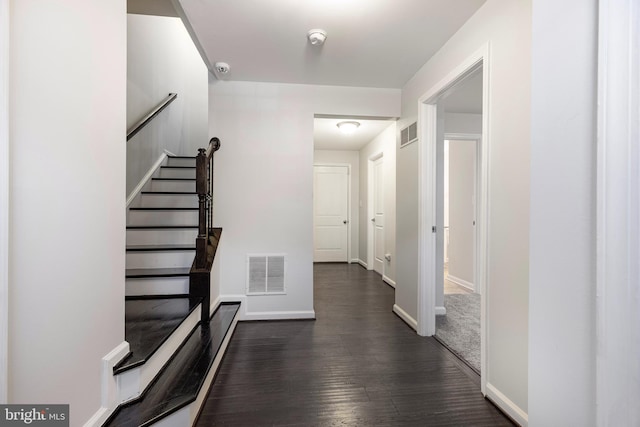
617, 211
477, 138
349, 216
370, 208
4, 199
428, 130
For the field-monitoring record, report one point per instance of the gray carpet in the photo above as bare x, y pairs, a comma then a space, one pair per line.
459, 329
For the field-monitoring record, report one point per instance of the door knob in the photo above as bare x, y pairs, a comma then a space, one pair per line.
345, 221
373, 220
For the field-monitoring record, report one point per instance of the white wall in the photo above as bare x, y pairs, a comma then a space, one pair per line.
463, 123
506, 26
462, 182
384, 143
264, 177
4, 196
562, 286
161, 58
351, 158
67, 208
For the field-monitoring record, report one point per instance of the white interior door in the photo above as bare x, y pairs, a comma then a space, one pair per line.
330, 213
378, 216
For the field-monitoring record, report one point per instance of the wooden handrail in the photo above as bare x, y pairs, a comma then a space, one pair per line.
152, 114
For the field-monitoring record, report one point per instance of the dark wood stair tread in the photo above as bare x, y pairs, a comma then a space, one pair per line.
178, 167
182, 157
149, 322
170, 192
163, 209
161, 227
173, 179
140, 273
161, 248
179, 383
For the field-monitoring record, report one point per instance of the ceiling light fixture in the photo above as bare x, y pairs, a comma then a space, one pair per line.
348, 127
317, 37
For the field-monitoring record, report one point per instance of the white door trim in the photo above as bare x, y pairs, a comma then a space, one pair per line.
617, 215
4, 199
349, 216
370, 231
428, 131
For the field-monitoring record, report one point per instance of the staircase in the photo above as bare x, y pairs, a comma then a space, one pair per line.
176, 343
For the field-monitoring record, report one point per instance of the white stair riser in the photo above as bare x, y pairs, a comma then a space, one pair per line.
133, 382
163, 217
157, 286
169, 201
172, 161
160, 259
177, 173
173, 186
161, 237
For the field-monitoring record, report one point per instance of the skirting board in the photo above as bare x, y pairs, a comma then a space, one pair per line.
388, 281
355, 261
441, 311
362, 263
280, 315
461, 282
405, 316
245, 315
109, 385
148, 175
506, 405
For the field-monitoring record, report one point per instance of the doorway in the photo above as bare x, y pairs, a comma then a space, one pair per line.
376, 213
331, 213
431, 221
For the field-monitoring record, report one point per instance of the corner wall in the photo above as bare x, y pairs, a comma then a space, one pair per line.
264, 179
562, 314
506, 27
161, 59
67, 207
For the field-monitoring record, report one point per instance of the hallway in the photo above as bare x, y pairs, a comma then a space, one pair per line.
357, 364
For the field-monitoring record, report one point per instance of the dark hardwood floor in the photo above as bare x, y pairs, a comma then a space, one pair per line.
356, 365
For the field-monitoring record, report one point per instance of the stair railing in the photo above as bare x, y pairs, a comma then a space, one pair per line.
151, 115
208, 236
204, 188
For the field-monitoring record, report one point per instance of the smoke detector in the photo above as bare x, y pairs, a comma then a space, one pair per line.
222, 67
317, 37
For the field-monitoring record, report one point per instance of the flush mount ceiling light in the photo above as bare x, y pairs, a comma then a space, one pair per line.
348, 127
317, 37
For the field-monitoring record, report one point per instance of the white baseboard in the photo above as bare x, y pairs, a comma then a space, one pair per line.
109, 385
461, 282
388, 281
280, 315
405, 316
355, 261
147, 176
441, 311
362, 263
505, 404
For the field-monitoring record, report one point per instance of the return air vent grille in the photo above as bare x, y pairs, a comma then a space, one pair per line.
265, 274
409, 134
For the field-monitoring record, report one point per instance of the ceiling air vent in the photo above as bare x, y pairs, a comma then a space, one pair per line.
265, 274
409, 134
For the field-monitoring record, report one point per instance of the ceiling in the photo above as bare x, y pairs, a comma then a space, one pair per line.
370, 43
465, 98
327, 136
151, 7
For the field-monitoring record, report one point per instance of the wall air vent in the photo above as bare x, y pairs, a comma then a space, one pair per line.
409, 134
265, 274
